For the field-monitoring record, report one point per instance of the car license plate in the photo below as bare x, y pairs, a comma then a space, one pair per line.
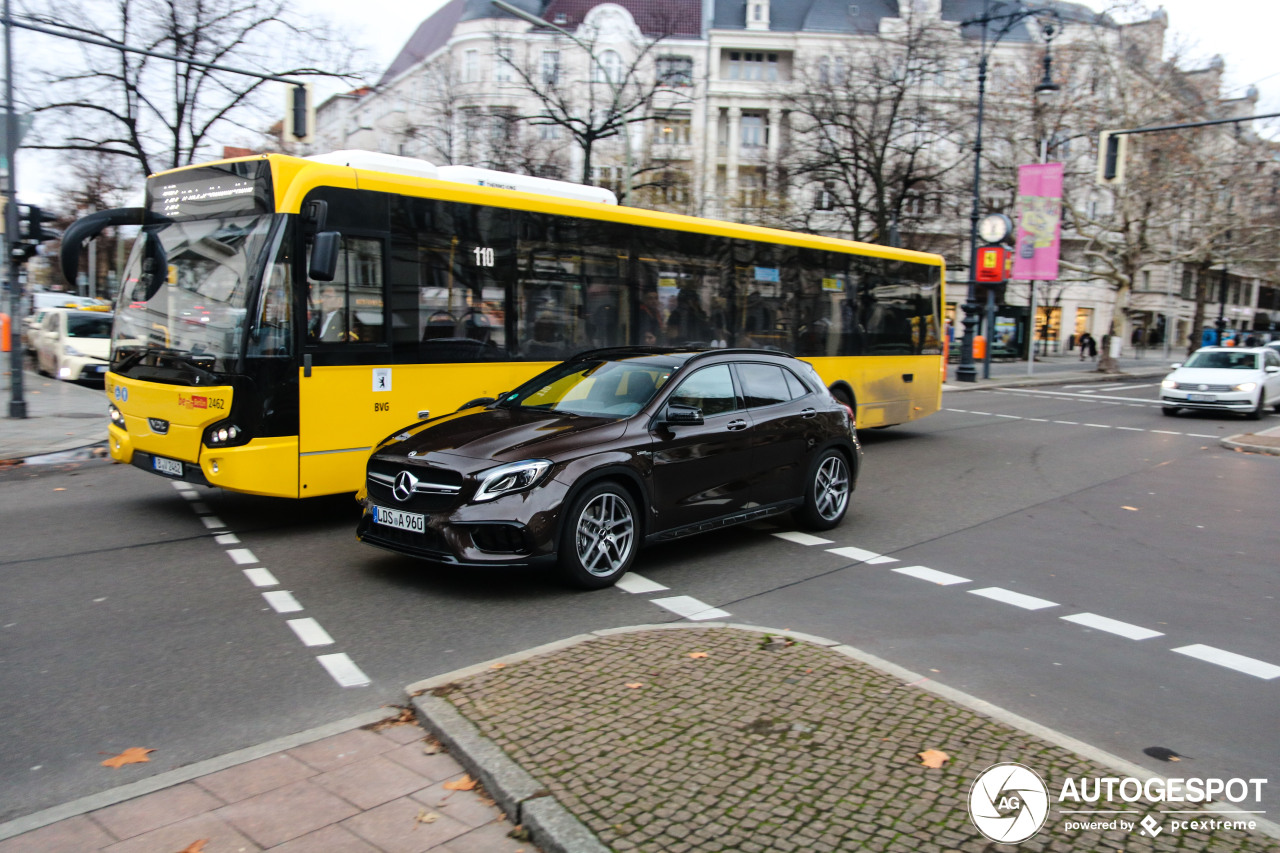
172, 467
1201, 398
414, 522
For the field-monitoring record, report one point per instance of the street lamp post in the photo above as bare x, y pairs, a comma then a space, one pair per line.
597, 65
967, 371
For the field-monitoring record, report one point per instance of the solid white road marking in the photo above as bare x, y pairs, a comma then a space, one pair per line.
310, 632
1112, 626
261, 577
925, 573
344, 670
1231, 660
282, 601
1017, 599
690, 608
241, 556
861, 556
634, 583
803, 538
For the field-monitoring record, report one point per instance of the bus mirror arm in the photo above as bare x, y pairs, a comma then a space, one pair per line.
324, 256
86, 228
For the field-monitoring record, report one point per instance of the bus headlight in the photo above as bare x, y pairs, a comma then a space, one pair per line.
117, 419
225, 434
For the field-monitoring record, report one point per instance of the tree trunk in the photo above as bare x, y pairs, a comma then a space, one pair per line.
1106, 364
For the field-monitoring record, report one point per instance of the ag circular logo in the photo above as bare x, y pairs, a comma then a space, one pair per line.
1008, 803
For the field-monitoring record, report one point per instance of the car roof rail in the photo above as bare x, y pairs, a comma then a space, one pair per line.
692, 352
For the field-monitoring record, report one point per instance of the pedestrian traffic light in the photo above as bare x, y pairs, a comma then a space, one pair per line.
992, 265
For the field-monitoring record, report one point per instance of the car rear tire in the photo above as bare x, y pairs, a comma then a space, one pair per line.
600, 536
827, 492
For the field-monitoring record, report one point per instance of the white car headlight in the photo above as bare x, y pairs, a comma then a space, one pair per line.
513, 477
1168, 383
1245, 386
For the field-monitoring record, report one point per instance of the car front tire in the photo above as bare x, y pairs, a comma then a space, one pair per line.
828, 490
1258, 410
600, 537
1169, 410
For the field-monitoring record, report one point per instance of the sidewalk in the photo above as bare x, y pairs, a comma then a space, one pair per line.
675, 738
60, 416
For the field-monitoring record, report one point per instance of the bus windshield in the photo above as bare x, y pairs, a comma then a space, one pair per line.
185, 291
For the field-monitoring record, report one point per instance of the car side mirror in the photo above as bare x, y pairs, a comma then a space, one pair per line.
1271, 368
1176, 365
681, 415
324, 256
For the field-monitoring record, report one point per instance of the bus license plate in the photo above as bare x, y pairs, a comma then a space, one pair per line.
1201, 398
172, 467
414, 522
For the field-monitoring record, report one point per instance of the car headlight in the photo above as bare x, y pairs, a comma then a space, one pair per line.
513, 477
1245, 386
1168, 383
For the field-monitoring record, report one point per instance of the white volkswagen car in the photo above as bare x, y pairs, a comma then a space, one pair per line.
1224, 379
74, 345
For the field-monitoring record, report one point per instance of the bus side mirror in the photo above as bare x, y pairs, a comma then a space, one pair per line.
324, 256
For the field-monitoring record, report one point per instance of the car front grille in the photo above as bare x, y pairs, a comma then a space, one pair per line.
437, 490
1198, 386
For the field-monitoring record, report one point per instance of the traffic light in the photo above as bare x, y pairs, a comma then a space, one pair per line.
992, 265
300, 114
1112, 147
31, 233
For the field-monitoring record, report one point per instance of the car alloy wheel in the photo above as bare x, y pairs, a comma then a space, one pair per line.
601, 541
827, 496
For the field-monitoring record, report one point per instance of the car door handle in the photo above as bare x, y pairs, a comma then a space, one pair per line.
737, 425
808, 413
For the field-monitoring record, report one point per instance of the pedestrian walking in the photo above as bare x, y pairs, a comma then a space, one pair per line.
1087, 346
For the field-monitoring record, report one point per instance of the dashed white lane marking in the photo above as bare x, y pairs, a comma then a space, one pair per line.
634, 583
690, 608
282, 601
803, 538
227, 539
1231, 660
1078, 423
344, 670
861, 556
1017, 599
310, 632
925, 573
1112, 626
261, 577
241, 556
212, 522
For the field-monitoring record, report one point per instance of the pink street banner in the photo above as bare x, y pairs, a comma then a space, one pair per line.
1039, 222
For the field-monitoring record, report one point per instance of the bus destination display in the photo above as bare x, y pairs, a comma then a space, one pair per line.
207, 193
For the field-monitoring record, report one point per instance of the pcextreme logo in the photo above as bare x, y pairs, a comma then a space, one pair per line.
1010, 803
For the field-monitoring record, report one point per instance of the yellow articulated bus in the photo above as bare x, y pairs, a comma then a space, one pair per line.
279, 316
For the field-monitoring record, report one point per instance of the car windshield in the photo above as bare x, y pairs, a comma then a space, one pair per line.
1219, 360
89, 327
185, 289
602, 389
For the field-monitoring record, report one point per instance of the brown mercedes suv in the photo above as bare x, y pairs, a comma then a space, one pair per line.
611, 449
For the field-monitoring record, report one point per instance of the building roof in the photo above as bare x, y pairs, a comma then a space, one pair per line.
680, 18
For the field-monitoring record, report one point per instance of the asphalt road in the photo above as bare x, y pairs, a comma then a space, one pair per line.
131, 615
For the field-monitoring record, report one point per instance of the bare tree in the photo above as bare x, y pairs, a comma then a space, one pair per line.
159, 113
872, 136
598, 96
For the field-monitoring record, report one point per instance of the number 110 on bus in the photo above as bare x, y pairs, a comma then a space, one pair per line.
484, 256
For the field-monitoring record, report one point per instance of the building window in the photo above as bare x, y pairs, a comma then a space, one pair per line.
826, 196
471, 66
608, 69
548, 131
550, 67
755, 133
609, 177
502, 71
750, 65
751, 188
672, 131
675, 70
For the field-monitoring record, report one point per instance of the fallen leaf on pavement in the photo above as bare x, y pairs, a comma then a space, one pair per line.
696, 655
425, 817
1130, 508
195, 846
466, 783
934, 758
498, 666
132, 755
634, 684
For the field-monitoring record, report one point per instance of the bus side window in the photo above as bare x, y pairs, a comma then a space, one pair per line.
275, 326
349, 308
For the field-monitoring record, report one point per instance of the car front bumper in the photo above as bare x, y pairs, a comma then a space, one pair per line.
1224, 401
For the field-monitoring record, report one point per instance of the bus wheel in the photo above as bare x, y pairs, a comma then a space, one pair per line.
600, 537
827, 492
